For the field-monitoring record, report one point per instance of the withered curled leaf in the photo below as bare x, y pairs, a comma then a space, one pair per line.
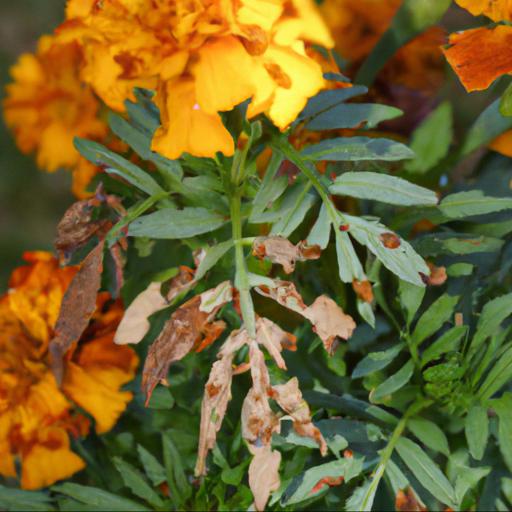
281, 251
77, 226
330, 322
274, 339
180, 283
187, 329
328, 319
135, 322
77, 308
289, 398
408, 501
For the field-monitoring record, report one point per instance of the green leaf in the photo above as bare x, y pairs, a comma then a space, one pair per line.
393, 383
234, 476
503, 408
467, 479
135, 481
382, 187
486, 128
161, 398
476, 428
321, 230
154, 470
500, 374
433, 319
493, 314
346, 468
429, 434
426, 471
465, 204
349, 266
212, 255
344, 149
402, 261
412, 18
431, 140
460, 269
376, 361
179, 486
17, 499
448, 342
351, 115
170, 223
293, 216
98, 498
433, 245
115, 164
411, 297
506, 102
326, 100
363, 496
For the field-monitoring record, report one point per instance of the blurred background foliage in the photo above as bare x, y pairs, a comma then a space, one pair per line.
32, 202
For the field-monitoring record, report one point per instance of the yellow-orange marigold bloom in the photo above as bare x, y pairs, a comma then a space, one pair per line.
37, 417
47, 105
204, 57
357, 26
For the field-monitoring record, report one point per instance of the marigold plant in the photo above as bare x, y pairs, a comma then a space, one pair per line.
288, 211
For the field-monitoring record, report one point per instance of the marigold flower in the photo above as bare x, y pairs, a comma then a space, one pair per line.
37, 417
47, 105
204, 57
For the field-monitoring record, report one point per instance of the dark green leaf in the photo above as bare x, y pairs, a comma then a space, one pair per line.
477, 431
465, 204
429, 434
506, 102
393, 383
448, 342
154, 470
376, 361
17, 499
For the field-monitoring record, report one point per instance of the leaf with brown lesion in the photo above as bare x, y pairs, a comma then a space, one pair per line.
281, 251
77, 308
289, 398
185, 331
363, 290
328, 319
408, 500
481, 55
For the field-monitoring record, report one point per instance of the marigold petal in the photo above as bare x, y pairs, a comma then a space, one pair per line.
503, 144
186, 127
96, 389
497, 10
480, 56
223, 75
49, 460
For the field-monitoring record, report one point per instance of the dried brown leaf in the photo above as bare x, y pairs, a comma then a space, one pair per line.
180, 283
264, 475
77, 226
135, 322
438, 275
281, 251
408, 501
213, 408
330, 322
328, 319
289, 398
183, 332
77, 308
274, 339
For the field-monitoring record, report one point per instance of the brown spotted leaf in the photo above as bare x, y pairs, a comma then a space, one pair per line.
408, 501
281, 251
183, 332
363, 290
77, 226
284, 293
289, 398
480, 56
135, 322
330, 322
77, 308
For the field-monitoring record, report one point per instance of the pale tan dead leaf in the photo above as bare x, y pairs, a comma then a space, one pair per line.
188, 328
77, 308
135, 323
438, 275
328, 319
330, 322
213, 408
216, 297
281, 251
264, 475
274, 339
289, 398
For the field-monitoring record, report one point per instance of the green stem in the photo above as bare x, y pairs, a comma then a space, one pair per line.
241, 277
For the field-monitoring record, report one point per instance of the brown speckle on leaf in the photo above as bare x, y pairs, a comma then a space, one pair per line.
408, 501
390, 240
363, 290
77, 308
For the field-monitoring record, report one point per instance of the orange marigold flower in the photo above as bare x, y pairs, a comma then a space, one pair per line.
497, 10
47, 105
37, 417
204, 57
